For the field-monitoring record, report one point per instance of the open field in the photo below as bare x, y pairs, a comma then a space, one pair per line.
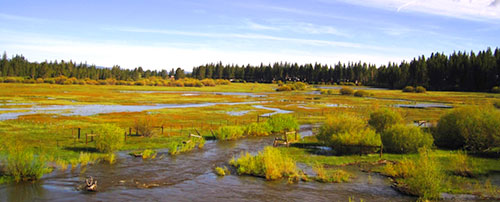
45, 118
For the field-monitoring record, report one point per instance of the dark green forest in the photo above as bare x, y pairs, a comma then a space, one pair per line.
460, 71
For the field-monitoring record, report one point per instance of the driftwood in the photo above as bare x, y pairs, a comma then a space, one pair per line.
91, 184
193, 135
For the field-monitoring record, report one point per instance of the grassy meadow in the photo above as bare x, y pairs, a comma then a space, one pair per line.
53, 134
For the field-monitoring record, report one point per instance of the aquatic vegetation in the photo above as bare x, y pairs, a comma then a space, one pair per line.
222, 171
460, 164
330, 175
383, 119
346, 91
229, 132
22, 164
145, 154
405, 139
184, 145
472, 128
270, 163
109, 138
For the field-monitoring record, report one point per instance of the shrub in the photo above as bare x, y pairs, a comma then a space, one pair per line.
283, 122
497, 104
39, 80
258, 129
144, 126
408, 89
420, 89
298, 86
29, 81
208, 82
222, 82
149, 154
383, 119
181, 146
422, 177
23, 164
229, 133
109, 138
460, 164
474, 129
49, 80
284, 88
342, 132
405, 139
269, 163
495, 89
346, 91
361, 93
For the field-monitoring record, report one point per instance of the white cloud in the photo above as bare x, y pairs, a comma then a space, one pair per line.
41, 48
464, 9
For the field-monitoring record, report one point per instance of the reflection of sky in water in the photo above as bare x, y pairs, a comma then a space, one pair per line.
89, 110
423, 105
193, 93
276, 110
238, 113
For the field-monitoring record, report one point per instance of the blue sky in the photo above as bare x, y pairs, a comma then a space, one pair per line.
166, 34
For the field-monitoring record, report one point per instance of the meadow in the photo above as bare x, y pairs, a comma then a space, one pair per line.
44, 119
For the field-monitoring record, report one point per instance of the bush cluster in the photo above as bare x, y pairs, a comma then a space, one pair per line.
472, 128
109, 138
405, 139
23, 164
346, 91
361, 93
411, 89
229, 133
384, 118
291, 86
283, 122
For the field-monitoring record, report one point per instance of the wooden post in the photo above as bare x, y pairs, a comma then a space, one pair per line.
258, 118
161, 129
78, 133
381, 147
129, 131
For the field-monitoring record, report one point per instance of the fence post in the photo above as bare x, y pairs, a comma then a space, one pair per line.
161, 129
78, 133
129, 131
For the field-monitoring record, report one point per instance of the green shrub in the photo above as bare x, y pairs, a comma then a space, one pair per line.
23, 164
270, 163
144, 126
408, 89
383, 119
422, 177
283, 122
148, 154
229, 133
405, 139
460, 164
361, 93
298, 86
420, 89
343, 132
258, 129
109, 138
346, 91
495, 89
472, 128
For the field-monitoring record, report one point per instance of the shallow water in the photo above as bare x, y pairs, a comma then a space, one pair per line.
89, 110
276, 110
190, 177
423, 105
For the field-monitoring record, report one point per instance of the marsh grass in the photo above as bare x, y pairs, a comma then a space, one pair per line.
258, 129
23, 164
229, 132
330, 175
222, 171
270, 163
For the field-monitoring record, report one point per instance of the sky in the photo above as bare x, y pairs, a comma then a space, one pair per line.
164, 34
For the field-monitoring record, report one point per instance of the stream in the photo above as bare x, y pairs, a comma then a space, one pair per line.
190, 177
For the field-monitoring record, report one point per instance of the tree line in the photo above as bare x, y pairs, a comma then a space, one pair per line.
460, 71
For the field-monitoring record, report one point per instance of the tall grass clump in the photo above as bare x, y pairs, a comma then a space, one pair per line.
404, 139
460, 164
343, 132
144, 126
383, 119
422, 177
222, 171
270, 163
346, 91
181, 146
258, 129
23, 164
283, 122
109, 138
474, 129
330, 176
229, 132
